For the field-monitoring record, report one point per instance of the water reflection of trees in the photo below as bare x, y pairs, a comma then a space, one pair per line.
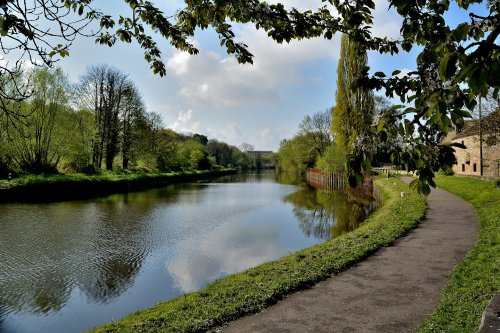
290, 178
328, 214
46, 251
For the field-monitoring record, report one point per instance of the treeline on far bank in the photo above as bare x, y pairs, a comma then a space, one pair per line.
99, 123
332, 140
316, 144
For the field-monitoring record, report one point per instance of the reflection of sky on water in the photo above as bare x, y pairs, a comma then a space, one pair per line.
70, 266
232, 248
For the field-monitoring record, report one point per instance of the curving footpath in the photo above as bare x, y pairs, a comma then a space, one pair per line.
394, 290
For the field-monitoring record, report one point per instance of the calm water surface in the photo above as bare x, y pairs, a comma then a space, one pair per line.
69, 266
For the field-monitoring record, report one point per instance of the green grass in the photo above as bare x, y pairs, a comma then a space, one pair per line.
105, 176
477, 278
42, 188
250, 291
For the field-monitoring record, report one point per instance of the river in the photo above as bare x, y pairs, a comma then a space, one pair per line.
69, 266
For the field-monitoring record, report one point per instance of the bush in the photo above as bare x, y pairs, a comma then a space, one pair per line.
333, 160
447, 171
4, 168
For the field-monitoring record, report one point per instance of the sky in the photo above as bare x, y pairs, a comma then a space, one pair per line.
211, 94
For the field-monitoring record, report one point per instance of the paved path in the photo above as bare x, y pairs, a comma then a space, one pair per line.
394, 290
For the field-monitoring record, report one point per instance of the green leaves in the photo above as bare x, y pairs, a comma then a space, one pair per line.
447, 67
453, 66
461, 31
380, 125
60, 50
477, 82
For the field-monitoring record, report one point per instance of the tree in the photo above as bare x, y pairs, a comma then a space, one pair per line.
317, 128
105, 90
168, 158
354, 112
78, 155
296, 154
221, 151
240, 158
386, 144
133, 110
37, 146
147, 139
247, 147
200, 138
454, 66
194, 155
488, 114
334, 159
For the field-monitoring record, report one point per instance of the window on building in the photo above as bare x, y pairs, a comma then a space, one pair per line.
474, 167
463, 167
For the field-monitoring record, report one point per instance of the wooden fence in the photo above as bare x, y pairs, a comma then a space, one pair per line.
325, 181
331, 181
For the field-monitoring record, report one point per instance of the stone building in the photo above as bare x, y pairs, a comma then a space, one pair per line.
468, 160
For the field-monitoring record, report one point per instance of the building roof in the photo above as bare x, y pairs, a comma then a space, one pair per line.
490, 125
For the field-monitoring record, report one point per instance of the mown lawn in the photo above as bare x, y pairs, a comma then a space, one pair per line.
252, 290
477, 278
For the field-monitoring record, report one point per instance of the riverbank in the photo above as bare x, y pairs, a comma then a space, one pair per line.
42, 188
475, 280
398, 284
250, 291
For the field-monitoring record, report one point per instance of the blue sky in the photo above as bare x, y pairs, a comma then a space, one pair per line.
211, 94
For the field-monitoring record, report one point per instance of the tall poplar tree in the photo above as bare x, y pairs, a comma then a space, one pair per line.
355, 108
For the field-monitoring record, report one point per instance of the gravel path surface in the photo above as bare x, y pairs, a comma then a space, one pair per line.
394, 290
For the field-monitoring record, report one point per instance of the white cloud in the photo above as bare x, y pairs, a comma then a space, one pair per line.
179, 62
211, 79
405, 72
212, 260
229, 131
215, 80
184, 123
185, 116
217, 87
386, 22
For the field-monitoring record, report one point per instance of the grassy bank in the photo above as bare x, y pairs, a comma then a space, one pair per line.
477, 278
237, 295
74, 186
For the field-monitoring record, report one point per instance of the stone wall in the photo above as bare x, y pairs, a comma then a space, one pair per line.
468, 159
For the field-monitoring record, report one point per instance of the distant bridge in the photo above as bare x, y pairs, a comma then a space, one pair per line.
260, 152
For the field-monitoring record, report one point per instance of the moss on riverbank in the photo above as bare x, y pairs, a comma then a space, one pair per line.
34, 188
254, 289
476, 279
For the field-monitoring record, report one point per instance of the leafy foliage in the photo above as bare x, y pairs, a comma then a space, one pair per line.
454, 66
334, 160
40, 137
296, 154
310, 143
353, 114
317, 129
109, 128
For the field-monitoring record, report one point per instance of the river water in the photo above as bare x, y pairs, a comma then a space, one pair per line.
69, 266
